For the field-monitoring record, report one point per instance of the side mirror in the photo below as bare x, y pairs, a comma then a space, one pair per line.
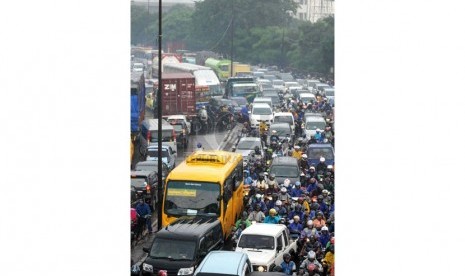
146, 249
279, 248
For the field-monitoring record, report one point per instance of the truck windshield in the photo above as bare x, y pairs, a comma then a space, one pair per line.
256, 242
173, 249
192, 198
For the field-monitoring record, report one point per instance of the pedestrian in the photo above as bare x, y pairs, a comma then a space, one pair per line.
144, 213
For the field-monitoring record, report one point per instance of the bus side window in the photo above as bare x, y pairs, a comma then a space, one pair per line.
228, 188
239, 171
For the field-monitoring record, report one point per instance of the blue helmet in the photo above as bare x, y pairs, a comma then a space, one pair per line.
199, 145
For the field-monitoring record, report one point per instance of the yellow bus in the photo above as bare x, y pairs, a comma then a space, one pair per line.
207, 183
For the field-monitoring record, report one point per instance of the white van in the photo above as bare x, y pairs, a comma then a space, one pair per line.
285, 117
307, 98
312, 123
261, 112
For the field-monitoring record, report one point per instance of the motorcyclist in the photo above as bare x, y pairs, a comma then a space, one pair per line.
321, 167
311, 270
303, 163
316, 192
274, 136
322, 205
311, 259
263, 128
308, 231
257, 214
284, 196
328, 260
144, 213
288, 267
272, 187
325, 237
282, 211
318, 135
297, 212
272, 217
297, 191
261, 183
203, 115
312, 172
319, 221
296, 153
312, 185
295, 227
287, 185
244, 219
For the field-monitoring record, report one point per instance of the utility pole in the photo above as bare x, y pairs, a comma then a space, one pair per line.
159, 106
232, 40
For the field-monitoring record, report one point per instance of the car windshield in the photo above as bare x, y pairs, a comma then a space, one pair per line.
154, 153
281, 131
316, 153
283, 119
173, 249
314, 125
285, 171
192, 198
256, 242
247, 145
278, 82
262, 111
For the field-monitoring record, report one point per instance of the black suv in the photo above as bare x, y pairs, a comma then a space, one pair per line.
181, 246
144, 185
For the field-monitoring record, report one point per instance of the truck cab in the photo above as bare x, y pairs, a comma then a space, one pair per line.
265, 244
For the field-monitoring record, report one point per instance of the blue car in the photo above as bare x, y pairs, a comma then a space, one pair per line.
315, 151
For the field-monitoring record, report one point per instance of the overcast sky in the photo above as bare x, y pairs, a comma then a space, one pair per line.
167, 1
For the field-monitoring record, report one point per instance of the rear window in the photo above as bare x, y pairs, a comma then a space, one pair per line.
316, 153
283, 119
154, 153
167, 135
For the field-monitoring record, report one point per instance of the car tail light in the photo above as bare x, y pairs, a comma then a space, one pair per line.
148, 136
147, 188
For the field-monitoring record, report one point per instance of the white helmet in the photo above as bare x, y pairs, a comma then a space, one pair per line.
322, 159
287, 182
273, 131
279, 202
318, 130
283, 190
309, 223
258, 196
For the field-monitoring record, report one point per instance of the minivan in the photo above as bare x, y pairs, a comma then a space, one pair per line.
312, 123
149, 133
225, 263
260, 112
181, 246
284, 117
285, 167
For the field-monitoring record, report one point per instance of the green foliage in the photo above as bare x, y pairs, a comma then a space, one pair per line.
259, 29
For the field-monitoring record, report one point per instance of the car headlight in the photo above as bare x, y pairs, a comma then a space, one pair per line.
147, 267
186, 271
261, 269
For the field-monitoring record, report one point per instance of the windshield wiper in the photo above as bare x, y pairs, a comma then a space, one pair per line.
161, 257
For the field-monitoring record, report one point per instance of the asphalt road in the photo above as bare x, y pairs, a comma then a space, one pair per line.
211, 141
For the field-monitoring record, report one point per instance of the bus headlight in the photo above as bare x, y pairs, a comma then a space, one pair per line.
147, 267
186, 271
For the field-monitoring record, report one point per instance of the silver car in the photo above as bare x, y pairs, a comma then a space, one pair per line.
247, 145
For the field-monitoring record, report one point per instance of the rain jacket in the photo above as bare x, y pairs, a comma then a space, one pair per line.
324, 239
295, 227
274, 220
256, 216
143, 209
296, 192
288, 268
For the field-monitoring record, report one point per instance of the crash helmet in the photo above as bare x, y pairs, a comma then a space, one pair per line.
257, 150
199, 145
287, 182
283, 190
311, 255
272, 176
273, 211
297, 183
278, 202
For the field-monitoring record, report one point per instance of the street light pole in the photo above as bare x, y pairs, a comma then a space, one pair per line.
232, 39
159, 106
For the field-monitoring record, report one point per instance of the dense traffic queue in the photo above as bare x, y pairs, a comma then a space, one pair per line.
270, 198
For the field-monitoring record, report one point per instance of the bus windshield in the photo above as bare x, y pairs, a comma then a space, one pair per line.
192, 198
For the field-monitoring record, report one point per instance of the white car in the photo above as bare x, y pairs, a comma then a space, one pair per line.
247, 145
171, 118
312, 123
265, 244
307, 98
260, 112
